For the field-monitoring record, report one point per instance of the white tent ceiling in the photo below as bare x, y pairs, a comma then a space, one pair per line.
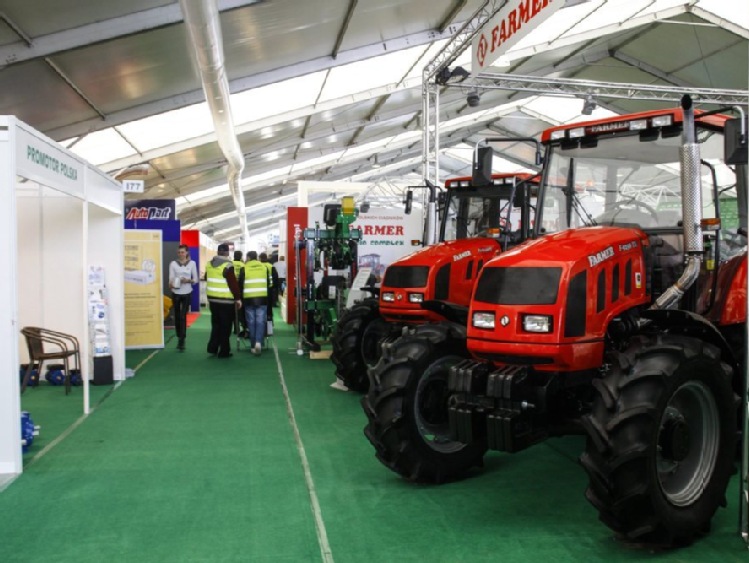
327, 89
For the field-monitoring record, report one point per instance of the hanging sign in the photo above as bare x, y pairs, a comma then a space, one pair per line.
133, 186
508, 26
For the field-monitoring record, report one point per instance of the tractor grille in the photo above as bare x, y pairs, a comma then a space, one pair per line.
406, 276
519, 286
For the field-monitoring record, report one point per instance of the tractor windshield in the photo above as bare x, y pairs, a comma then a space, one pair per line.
632, 179
487, 211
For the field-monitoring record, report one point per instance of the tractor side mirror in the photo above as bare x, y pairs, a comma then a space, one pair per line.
520, 195
735, 141
409, 201
482, 167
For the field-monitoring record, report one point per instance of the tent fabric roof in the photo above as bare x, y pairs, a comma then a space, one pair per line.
320, 92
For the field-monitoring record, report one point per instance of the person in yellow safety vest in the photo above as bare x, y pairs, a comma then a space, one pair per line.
240, 326
238, 262
271, 287
224, 298
255, 281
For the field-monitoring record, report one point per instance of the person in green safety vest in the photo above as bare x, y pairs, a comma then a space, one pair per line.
273, 281
240, 326
255, 281
238, 262
224, 298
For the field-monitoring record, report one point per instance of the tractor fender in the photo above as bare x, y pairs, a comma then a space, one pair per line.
694, 325
452, 312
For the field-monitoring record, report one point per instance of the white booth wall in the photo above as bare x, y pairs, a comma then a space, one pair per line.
58, 216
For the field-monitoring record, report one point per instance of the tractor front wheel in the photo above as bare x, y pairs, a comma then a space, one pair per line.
356, 343
661, 440
407, 407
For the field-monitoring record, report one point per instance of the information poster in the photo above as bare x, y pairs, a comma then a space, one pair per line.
144, 311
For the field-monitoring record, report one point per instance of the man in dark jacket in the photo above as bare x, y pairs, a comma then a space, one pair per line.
224, 298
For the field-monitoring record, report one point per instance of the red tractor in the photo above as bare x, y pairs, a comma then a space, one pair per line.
478, 222
623, 320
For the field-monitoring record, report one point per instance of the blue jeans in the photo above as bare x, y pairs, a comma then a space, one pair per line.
256, 318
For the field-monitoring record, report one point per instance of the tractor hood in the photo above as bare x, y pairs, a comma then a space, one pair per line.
444, 272
450, 251
585, 247
536, 301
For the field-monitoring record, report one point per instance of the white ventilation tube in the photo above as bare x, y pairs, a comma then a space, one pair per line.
204, 30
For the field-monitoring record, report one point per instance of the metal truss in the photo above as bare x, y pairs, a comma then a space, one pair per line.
430, 91
611, 90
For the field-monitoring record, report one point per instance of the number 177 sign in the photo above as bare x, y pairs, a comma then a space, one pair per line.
508, 26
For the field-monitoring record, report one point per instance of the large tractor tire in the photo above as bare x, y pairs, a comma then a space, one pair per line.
407, 407
661, 440
356, 343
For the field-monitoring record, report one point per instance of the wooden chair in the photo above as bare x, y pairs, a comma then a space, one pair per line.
44, 345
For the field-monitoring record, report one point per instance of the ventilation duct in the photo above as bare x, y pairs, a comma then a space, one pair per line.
204, 31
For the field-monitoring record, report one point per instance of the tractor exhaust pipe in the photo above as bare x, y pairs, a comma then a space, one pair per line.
691, 207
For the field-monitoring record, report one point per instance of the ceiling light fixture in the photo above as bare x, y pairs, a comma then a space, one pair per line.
589, 104
473, 99
451, 76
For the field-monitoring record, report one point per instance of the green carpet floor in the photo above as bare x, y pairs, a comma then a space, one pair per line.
197, 459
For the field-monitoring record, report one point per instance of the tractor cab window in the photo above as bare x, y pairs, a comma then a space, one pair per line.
485, 211
632, 180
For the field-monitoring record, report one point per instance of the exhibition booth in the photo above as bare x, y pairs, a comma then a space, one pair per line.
61, 228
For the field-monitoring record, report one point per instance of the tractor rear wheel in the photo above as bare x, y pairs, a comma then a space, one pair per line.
356, 343
407, 407
661, 440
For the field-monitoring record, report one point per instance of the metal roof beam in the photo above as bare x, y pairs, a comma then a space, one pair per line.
452, 14
344, 27
85, 35
248, 82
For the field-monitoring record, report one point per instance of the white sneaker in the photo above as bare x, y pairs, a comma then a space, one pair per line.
257, 349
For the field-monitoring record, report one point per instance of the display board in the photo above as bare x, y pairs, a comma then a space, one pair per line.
144, 311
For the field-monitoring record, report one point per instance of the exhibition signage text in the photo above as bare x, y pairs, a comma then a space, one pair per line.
43, 162
508, 26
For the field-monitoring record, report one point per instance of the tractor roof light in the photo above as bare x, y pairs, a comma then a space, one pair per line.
577, 132
638, 125
663, 120
558, 134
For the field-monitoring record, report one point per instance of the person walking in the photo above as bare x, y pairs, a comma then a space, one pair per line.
280, 266
255, 283
240, 328
238, 263
183, 273
224, 297
271, 287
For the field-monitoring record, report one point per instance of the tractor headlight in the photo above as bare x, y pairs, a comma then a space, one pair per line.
388, 296
483, 320
416, 297
537, 323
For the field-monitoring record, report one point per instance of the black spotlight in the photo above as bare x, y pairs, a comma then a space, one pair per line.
473, 99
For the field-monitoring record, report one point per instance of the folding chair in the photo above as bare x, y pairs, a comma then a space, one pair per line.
66, 347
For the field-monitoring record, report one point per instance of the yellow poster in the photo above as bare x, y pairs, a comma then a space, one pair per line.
144, 314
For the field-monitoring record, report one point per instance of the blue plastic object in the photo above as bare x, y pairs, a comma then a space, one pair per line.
75, 377
55, 374
28, 431
34, 379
